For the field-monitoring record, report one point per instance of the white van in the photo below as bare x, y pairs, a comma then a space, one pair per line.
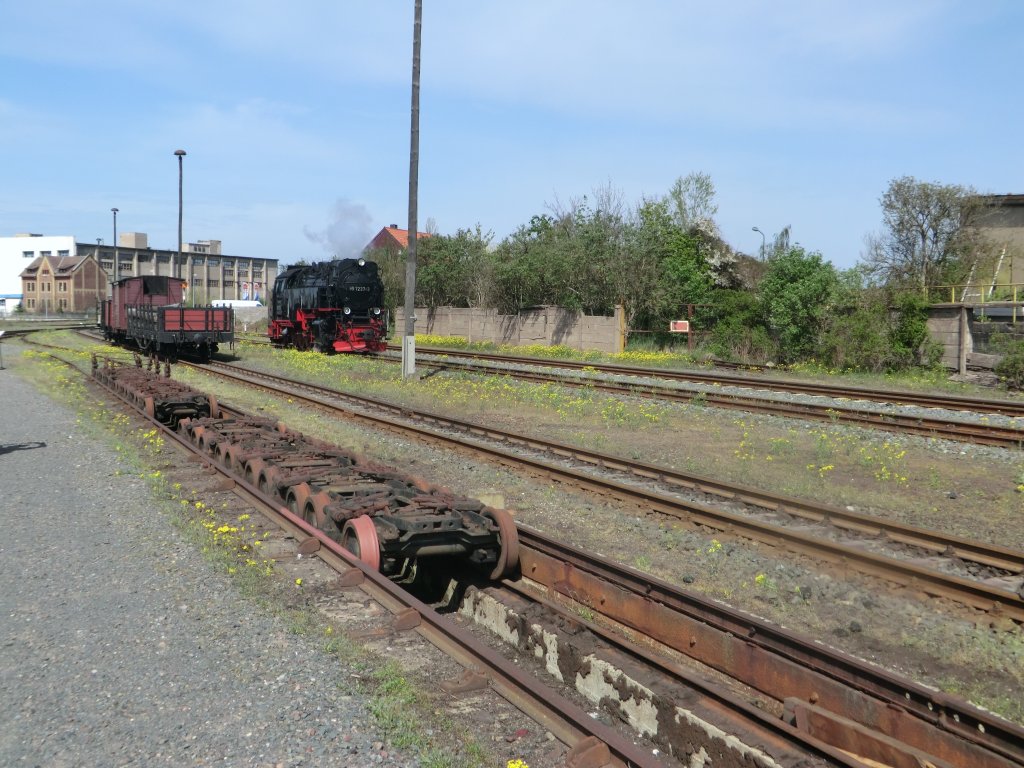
236, 303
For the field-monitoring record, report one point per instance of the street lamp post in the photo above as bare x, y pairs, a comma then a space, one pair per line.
763, 241
114, 211
175, 266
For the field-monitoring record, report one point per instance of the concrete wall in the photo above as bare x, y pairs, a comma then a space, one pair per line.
547, 326
964, 336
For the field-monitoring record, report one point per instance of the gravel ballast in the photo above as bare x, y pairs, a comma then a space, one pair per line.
122, 646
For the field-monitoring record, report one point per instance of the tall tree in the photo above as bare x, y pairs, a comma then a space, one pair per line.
693, 203
929, 235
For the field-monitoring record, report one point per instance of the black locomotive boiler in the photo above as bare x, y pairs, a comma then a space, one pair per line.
330, 306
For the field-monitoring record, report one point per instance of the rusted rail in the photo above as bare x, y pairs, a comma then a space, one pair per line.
772, 660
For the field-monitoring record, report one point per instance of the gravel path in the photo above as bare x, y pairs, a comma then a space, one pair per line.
122, 647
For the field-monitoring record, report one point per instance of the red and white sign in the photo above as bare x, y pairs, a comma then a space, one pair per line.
679, 326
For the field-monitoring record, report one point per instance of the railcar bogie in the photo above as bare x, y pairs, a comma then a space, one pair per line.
392, 522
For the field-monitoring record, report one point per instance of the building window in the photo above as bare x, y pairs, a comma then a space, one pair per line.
31, 303
46, 253
30, 286
28, 254
45, 272
62, 254
197, 259
125, 266
62, 287
213, 262
163, 258
229, 283
213, 283
63, 303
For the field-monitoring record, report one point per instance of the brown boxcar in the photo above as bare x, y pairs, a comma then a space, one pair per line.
149, 312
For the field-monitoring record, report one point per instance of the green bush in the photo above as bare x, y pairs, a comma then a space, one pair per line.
1011, 368
739, 332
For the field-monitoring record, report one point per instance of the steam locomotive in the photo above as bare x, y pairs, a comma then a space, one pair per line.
330, 306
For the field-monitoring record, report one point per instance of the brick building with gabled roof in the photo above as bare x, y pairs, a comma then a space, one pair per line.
63, 284
394, 239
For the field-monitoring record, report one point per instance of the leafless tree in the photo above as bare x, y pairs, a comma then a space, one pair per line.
929, 236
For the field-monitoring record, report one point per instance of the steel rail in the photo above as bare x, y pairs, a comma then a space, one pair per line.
769, 658
963, 591
563, 718
751, 724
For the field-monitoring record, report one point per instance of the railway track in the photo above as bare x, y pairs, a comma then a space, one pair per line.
836, 709
1009, 408
992, 582
938, 426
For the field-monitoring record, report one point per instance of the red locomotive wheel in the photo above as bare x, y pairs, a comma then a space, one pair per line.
359, 536
214, 407
508, 538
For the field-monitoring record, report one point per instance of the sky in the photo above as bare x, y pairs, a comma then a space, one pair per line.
296, 116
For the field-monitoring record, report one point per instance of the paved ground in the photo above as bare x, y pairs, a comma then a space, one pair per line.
119, 646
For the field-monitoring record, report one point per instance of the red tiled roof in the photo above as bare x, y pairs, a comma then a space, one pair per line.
393, 237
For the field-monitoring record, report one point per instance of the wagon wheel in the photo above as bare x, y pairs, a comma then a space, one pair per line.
149, 407
267, 480
226, 453
297, 499
214, 407
253, 467
359, 536
316, 513
508, 540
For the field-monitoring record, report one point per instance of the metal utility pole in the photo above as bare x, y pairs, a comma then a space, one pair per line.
409, 338
114, 211
176, 266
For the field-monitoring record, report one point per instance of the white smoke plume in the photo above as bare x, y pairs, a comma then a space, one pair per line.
350, 230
